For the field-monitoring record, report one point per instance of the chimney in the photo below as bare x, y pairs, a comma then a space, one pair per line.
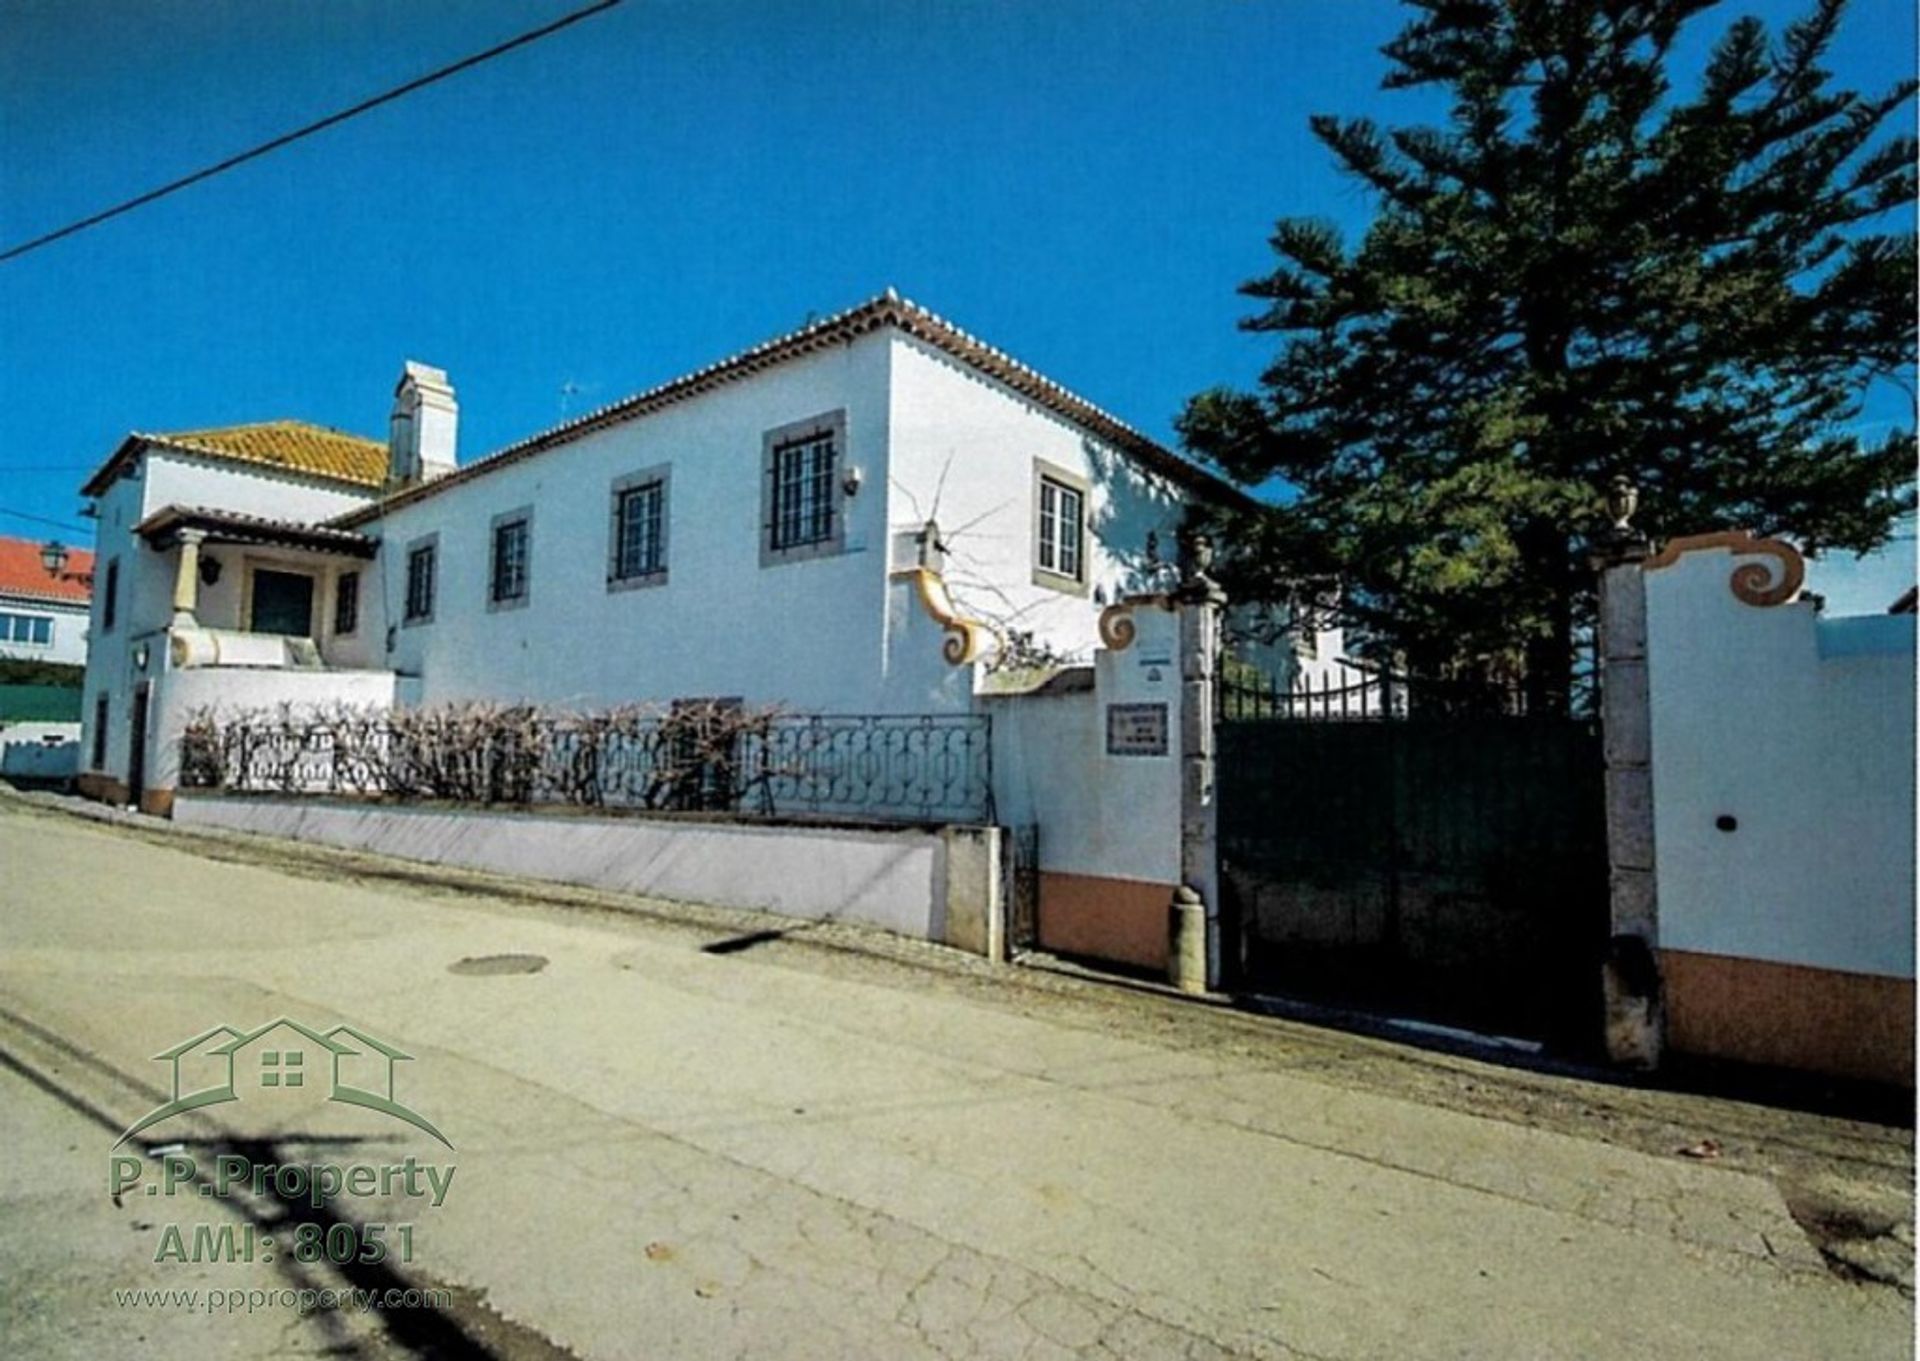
426, 421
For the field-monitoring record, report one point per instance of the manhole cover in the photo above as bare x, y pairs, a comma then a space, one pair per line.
488, 965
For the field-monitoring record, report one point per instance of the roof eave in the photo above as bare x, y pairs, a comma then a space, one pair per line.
105, 475
232, 527
137, 443
889, 309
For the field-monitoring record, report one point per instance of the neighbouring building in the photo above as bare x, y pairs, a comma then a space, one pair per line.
43, 641
43, 602
861, 516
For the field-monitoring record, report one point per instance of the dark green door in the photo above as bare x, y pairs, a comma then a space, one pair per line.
282, 603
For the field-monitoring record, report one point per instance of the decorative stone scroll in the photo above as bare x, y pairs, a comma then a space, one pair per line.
1117, 629
1753, 583
966, 639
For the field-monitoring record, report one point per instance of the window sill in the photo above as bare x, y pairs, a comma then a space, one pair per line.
637, 583
804, 552
1059, 581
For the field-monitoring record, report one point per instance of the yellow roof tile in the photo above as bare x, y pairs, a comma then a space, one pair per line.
293, 445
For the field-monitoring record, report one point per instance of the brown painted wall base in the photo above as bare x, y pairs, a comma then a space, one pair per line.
1126, 921
1790, 1016
158, 802
102, 788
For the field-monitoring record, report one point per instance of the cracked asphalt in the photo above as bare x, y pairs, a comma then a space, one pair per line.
817, 1142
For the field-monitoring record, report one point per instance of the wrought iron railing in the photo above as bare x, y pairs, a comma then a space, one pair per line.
921, 768
1356, 694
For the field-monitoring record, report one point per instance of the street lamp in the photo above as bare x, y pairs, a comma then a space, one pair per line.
53, 557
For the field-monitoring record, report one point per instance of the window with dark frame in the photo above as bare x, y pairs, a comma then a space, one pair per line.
420, 583
510, 539
110, 597
102, 706
803, 491
346, 602
1062, 529
640, 516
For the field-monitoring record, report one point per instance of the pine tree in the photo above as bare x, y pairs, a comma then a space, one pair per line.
1580, 275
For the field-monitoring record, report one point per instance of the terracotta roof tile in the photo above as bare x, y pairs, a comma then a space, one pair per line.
22, 575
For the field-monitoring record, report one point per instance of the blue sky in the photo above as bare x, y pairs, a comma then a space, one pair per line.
1083, 184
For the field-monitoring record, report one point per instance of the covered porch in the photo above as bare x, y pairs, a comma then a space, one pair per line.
266, 615
255, 592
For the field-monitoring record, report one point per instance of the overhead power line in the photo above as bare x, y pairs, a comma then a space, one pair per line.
43, 520
287, 139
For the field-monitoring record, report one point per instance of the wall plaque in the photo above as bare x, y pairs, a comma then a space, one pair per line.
1136, 730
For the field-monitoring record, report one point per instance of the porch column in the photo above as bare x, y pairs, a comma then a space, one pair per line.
186, 581
1635, 1021
1194, 957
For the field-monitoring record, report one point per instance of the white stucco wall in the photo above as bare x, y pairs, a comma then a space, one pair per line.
139, 596
804, 634
146, 577
964, 449
227, 602
895, 879
178, 695
1106, 816
35, 753
66, 627
168, 478
829, 634
1802, 730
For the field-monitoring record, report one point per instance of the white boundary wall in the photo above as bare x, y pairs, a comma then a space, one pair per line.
939, 884
39, 752
1100, 814
1801, 730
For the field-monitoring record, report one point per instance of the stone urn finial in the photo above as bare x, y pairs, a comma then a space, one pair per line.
1196, 567
1623, 499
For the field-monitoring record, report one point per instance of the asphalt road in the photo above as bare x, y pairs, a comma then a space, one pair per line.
822, 1144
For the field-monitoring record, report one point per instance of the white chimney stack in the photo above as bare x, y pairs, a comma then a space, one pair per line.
426, 422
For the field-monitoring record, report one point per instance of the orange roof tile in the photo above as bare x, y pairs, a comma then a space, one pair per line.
22, 574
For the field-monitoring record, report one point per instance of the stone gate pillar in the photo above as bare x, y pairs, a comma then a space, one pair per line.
1635, 1020
1194, 963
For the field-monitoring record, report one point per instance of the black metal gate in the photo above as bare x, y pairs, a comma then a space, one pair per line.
1423, 852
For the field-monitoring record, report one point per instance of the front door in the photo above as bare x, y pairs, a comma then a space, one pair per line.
137, 745
282, 603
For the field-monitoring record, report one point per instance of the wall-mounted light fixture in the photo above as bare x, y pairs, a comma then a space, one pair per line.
54, 557
850, 484
209, 571
142, 654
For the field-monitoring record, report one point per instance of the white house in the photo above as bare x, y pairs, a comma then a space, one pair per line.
856, 517
43, 602
43, 618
